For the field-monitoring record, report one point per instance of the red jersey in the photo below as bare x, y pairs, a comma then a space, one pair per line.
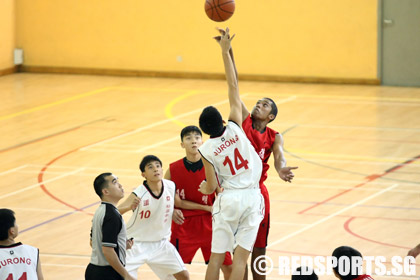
262, 142
364, 277
187, 177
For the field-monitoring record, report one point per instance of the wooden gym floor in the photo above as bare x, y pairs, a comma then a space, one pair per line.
357, 148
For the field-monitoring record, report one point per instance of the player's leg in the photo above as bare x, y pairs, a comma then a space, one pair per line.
166, 262
136, 257
227, 266
259, 251
250, 223
182, 275
258, 260
240, 258
213, 268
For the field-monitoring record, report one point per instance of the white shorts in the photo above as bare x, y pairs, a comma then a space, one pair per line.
161, 256
237, 215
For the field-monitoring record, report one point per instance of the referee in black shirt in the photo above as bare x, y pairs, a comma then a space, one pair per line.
108, 236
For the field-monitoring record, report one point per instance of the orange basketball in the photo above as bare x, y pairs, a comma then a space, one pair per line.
219, 10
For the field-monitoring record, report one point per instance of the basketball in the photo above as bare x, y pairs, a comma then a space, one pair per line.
219, 10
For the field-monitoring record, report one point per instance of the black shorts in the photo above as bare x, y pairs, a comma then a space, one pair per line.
95, 272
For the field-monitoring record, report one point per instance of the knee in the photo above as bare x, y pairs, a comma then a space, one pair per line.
183, 275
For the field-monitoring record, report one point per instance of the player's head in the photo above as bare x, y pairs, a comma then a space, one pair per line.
107, 184
304, 273
151, 168
188, 130
192, 139
7, 224
265, 108
211, 121
351, 254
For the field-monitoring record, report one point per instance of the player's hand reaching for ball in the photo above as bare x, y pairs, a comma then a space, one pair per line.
225, 39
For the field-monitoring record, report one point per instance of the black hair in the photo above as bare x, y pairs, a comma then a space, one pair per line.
211, 121
189, 129
345, 251
7, 220
298, 275
148, 159
273, 108
99, 183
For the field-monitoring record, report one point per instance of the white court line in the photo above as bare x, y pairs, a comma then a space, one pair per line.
293, 234
335, 187
65, 256
38, 184
45, 210
152, 125
352, 127
13, 170
157, 144
289, 224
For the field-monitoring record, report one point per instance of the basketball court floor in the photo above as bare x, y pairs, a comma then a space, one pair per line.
357, 148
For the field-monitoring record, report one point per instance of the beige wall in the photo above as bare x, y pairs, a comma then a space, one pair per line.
7, 33
299, 38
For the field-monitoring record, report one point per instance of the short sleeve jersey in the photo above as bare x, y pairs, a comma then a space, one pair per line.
108, 229
151, 220
187, 178
235, 161
18, 261
262, 142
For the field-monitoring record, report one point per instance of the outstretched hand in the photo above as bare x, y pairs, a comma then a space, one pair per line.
224, 39
286, 173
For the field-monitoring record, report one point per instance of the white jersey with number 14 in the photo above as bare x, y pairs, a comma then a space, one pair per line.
235, 161
18, 262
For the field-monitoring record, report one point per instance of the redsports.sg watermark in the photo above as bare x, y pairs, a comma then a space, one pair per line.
371, 265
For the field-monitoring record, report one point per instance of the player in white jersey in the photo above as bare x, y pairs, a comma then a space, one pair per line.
17, 261
150, 224
231, 161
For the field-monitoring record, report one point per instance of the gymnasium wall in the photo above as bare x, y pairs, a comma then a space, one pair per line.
7, 35
325, 39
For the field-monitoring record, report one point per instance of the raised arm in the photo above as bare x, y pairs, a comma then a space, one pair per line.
233, 90
245, 112
285, 172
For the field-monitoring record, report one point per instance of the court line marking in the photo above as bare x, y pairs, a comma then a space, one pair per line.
293, 234
368, 179
13, 169
157, 144
38, 184
58, 102
137, 130
342, 97
348, 229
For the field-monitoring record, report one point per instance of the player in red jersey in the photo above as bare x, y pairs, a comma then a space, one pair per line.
196, 231
349, 252
265, 141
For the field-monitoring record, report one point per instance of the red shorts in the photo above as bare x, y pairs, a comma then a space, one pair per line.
195, 233
262, 236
